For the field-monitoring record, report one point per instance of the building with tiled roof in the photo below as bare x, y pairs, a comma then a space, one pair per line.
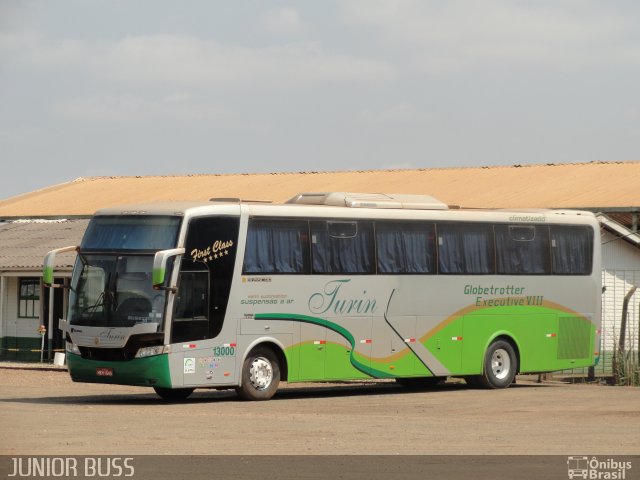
608, 188
598, 186
23, 303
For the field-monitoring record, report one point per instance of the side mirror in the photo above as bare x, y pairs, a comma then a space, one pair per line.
160, 267
50, 262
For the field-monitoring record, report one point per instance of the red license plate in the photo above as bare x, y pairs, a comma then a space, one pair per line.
104, 372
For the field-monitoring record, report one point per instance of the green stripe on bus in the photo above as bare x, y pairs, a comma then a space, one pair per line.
458, 342
372, 372
144, 372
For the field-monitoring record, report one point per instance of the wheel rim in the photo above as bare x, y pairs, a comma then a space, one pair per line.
260, 373
500, 364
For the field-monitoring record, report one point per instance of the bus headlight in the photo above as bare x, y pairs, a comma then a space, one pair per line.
151, 351
71, 347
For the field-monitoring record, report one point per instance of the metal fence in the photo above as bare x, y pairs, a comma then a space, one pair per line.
618, 284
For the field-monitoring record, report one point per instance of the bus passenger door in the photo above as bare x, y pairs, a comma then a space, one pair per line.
191, 312
203, 364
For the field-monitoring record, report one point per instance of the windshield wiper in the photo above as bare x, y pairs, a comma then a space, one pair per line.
98, 303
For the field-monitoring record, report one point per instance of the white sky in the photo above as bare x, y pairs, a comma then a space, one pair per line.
121, 87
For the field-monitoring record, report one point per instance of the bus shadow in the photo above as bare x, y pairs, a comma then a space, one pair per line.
133, 399
370, 389
355, 389
285, 393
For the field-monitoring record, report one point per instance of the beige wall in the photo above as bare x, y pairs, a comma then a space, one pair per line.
12, 326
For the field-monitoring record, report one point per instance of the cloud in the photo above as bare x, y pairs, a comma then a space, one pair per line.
394, 115
453, 35
189, 61
632, 114
27, 48
185, 61
284, 21
137, 109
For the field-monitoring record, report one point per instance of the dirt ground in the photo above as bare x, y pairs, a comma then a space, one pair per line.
44, 413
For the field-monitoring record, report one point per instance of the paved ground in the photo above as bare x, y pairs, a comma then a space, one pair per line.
43, 412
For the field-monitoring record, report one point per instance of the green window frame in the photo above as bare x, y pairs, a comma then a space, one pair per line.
29, 298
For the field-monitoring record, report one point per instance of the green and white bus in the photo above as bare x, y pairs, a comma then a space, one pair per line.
329, 286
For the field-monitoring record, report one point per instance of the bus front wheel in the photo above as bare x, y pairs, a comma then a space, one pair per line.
500, 365
260, 375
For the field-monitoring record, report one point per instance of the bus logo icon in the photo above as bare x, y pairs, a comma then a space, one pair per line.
578, 467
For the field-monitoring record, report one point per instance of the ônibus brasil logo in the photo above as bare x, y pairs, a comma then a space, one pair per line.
595, 468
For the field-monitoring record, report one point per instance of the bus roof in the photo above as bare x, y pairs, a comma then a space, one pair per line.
369, 200
350, 205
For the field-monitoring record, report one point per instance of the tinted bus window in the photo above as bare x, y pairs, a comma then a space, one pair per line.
206, 269
277, 246
134, 232
342, 247
404, 247
522, 250
465, 248
572, 250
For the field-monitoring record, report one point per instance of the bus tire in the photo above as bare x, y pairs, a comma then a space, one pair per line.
173, 394
500, 365
260, 375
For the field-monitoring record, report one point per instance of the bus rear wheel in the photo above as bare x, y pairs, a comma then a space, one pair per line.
500, 366
173, 394
260, 375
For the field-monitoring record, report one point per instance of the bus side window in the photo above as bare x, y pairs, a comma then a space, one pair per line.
405, 247
522, 249
465, 248
342, 247
572, 249
277, 246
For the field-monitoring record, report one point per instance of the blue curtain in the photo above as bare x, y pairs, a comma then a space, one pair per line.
405, 248
348, 254
572, 250
465, 248
276, 247
522, 250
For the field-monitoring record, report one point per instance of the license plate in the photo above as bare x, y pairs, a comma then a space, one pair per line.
104, 372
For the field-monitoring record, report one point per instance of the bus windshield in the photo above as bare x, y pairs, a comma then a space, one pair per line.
115, 291
131, 232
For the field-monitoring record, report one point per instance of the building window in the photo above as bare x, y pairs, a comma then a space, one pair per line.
29, 298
